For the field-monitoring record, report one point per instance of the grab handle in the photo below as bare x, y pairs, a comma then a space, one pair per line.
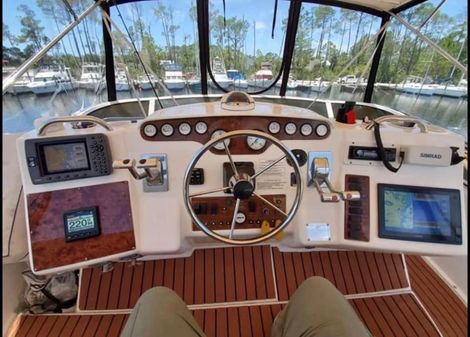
72, 119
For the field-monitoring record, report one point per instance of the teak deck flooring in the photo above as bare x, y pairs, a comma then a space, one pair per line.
246, 287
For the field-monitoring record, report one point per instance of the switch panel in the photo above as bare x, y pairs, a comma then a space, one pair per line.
197, 177
217, 212
356, 212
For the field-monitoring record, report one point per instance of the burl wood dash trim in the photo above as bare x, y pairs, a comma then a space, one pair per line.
237, 145
46, 223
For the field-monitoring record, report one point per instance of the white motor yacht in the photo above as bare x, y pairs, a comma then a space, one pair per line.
52, 79
92, 76
416, 85
263, 78
238, 80
220, 74
451, 90
144, 83
122, 81
174, 79
21, 85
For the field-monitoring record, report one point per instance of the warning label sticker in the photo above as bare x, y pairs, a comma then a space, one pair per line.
273, 178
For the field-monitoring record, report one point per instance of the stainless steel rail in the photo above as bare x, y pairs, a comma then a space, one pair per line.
72, 119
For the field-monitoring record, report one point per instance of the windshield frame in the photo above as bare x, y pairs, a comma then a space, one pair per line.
291, 32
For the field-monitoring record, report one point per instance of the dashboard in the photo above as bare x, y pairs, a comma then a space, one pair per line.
136, 188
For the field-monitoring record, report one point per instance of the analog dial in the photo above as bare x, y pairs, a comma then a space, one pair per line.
255, 143
220, 145
150, 130
290, 128
184, 129
306, 129
321, 130
201, 128
274, 127
167, 130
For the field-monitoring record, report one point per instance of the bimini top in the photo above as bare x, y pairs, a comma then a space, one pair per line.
383, 5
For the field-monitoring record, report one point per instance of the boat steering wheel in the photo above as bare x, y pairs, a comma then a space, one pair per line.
242, 187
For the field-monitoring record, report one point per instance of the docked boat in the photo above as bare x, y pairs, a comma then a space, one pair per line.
450, 90
416, 85
52, 79
234, 214
174, 79
143, 82
238, 80
123, 83
21, 85
91, 77
220, 74
263, 78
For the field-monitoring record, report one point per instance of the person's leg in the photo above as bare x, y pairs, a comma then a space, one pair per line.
160, 312
318, 309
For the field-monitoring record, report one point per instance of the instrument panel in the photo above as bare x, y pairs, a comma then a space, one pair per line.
204, 129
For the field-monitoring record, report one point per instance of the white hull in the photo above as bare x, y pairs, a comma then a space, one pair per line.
88, 85
223, 83
260, 83
243, 84
122, 86
19, 89
175, 84
450, 91
417, 89
50, 87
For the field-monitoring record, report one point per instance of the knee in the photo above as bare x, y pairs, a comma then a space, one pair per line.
317, 285
158, 295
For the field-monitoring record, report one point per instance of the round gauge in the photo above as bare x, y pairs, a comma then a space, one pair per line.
274, 127
201, 128
255, 143
167, 130
290, 128
306, 129
150, 130
184, 129
220, 145
321, 130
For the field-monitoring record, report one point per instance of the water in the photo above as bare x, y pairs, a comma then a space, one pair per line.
19, 112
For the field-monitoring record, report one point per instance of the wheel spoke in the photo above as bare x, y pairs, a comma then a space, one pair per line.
234, 168
209, 191
270, 204
235, 212
267, 168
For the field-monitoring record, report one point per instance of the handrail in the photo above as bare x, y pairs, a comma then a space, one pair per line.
72, 119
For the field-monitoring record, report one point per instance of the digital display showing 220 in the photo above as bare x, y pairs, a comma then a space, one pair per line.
81, 224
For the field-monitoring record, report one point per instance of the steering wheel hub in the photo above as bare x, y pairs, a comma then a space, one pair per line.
243, 189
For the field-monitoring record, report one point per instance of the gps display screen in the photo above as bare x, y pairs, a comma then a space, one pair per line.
65, 157
419, 213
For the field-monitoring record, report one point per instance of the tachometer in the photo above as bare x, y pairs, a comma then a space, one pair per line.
255, 143
219, 145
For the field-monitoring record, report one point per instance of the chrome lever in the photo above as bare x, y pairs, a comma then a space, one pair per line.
320, 171
147, 164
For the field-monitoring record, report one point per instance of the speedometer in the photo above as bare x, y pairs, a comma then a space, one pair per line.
255, 143
220, 145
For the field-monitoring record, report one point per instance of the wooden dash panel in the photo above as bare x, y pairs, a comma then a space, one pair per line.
351, 272
207, 276
47, 233
444, 306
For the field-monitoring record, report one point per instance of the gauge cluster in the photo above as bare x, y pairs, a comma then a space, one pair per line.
204, 129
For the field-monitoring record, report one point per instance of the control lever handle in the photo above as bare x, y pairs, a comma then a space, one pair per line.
151, 166
320, 171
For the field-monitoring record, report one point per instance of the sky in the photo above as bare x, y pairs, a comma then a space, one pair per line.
259, 16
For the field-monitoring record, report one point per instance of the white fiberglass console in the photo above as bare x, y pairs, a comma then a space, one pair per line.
145, 188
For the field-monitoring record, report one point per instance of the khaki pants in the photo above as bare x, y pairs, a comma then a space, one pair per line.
315, 309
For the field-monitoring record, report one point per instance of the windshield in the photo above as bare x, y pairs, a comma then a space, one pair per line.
155, 50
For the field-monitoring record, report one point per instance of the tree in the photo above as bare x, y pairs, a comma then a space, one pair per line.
31, 31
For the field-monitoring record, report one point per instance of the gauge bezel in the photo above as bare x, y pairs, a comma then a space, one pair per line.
179, 128
205, 126
221, 142
306, 134
150, 125
321, 125
172, 130
278, 125
256, 149
287, 132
